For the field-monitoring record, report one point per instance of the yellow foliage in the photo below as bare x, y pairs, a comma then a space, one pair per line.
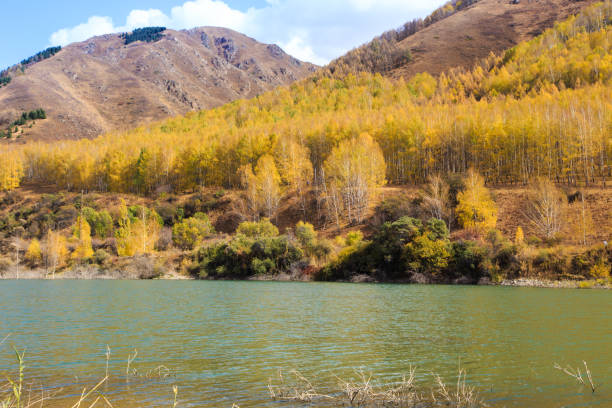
476, 209
600, 271
11, 170
541, 109
519, 237
354, 171
137, 232
263, 186
55, 250
82, 235
33, 254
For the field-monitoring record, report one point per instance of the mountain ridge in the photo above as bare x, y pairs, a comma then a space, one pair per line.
457, 39
102, 84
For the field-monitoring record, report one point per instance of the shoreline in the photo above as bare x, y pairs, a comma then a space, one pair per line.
96, 274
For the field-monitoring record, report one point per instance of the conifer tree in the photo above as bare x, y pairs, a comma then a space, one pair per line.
82, 236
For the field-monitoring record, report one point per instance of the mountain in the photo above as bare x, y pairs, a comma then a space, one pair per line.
115, 82
458, 34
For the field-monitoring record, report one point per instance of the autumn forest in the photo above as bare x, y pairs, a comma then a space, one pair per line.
539, 112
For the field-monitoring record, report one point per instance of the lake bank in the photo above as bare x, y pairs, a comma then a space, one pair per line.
88, 273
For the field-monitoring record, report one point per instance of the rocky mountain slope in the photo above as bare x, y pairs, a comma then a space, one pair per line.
458, 38
103, 84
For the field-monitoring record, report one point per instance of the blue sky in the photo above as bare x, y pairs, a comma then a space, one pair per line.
313, 30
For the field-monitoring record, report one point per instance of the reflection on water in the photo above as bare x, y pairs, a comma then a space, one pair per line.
224, 340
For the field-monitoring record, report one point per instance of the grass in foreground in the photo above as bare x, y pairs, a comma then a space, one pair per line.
364, 392
17, 393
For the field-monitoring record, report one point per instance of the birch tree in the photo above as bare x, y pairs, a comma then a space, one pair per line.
354, 171
545, 208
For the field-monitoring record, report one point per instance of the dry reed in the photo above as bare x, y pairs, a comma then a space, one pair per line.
365, 393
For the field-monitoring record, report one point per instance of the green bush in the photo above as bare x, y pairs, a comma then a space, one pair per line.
245, 256
261, 229
100, 257
467, 259
399, 249
169, 213
592, 262
426, 255
101, 222
551, 262
308, 239
190, 232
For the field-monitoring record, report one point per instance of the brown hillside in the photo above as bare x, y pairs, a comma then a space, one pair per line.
456, 39
487, 26
101, 84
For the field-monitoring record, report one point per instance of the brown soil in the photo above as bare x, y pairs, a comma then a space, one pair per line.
472, 34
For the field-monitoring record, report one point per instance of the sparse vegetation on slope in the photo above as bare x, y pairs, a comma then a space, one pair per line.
384, 53
42, 55
457, 35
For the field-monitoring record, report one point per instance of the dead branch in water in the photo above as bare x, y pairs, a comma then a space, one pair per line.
300, 390
577, 375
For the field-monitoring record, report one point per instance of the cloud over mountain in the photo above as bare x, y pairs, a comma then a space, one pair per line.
314, 30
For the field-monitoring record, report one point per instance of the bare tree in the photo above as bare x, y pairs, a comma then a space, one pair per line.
545, 208
436, 198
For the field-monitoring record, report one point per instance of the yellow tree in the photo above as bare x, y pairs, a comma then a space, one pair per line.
33, 254
123, 234
476, 210
55, 251
145, 230
11, 171
138, 232
263, 187
519, 237
82, 236
353, 173
295, 168
437, 199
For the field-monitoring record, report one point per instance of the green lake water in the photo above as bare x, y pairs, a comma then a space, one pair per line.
223, 340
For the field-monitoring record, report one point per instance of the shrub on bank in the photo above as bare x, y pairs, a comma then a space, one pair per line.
256, 249
190, 232
399, 250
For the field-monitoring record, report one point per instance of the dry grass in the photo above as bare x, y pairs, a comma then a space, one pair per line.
16, 393
365, 392
470, 35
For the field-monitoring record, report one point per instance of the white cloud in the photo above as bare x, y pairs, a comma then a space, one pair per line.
298, 47
313, 30
208, 12
145, 18
94, 26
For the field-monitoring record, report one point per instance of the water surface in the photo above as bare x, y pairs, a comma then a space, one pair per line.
224, 340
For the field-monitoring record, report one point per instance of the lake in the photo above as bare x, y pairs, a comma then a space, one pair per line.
222, 341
